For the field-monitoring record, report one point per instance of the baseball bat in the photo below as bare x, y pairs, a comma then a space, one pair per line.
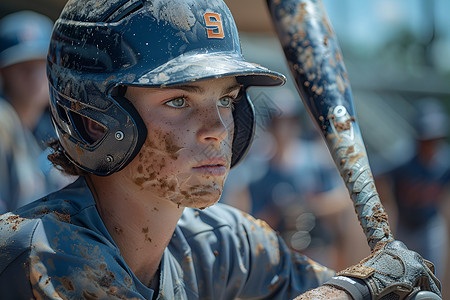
315, 60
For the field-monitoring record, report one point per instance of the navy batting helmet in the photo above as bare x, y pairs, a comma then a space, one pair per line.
95, 48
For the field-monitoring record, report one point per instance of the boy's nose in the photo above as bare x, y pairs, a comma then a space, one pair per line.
215, 125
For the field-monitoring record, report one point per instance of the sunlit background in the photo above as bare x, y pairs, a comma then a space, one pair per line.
396, 51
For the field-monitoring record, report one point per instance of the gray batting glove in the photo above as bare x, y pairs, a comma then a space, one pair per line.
390, 272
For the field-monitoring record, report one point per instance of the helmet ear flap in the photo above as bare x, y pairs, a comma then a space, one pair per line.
244, 128
140, 134
112, 149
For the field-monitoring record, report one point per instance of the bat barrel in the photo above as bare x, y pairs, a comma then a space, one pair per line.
313, 55
315, 60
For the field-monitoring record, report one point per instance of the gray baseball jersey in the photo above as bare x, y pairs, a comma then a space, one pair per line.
58, 247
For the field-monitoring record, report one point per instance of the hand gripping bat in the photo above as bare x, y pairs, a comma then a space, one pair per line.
315, 60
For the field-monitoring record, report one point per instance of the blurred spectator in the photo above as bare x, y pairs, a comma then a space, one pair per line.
25, 172
416, 191
293, 184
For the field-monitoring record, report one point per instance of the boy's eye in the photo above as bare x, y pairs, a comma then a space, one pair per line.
177, 103
226, 102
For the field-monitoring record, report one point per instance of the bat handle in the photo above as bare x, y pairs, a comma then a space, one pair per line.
347, 149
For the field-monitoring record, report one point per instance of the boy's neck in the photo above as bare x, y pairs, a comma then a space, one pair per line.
140, 225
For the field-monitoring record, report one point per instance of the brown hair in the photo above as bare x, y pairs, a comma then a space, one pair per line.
60, 160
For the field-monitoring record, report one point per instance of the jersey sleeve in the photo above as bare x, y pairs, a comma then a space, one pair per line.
14, 256
56, 260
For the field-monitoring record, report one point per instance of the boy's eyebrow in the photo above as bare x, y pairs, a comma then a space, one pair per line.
235, 86
198, 89
188, 88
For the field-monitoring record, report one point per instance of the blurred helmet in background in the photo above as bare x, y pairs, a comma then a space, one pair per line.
431, 119
24, 36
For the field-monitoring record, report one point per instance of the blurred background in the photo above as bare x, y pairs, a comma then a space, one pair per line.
397, 52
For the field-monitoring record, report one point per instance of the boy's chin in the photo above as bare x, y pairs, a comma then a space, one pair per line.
201, 202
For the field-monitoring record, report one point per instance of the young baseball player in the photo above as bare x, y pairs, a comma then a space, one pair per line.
150, 106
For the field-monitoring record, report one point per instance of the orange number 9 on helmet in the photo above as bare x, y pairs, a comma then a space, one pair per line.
214, 26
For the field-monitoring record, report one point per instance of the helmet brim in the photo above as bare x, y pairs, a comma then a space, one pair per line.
191, 67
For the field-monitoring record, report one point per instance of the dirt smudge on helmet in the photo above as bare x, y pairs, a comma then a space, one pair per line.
178, 14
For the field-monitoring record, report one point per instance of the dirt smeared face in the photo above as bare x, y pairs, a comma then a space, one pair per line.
187, 154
